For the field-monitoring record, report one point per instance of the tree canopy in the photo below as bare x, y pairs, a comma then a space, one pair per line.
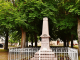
25, 16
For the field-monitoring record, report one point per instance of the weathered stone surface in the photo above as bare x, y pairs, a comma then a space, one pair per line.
45, 29
44, 59
45, 53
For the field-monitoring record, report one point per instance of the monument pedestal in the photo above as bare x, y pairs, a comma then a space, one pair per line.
45, 53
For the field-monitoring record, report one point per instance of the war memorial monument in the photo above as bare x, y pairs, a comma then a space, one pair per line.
45, 52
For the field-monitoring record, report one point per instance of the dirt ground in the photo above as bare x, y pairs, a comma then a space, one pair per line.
3, 55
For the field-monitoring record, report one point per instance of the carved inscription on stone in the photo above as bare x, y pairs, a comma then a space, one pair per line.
45, 35
46, 40
45, 45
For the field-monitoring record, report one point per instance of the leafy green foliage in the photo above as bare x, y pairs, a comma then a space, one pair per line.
66, 21
28, 14
6, 15
74, 8
14, 37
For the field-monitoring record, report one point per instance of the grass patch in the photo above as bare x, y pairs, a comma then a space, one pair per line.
3, 50
12, 46
79, 58
76, 46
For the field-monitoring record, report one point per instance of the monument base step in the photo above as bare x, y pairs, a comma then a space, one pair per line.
43, 58
44, 55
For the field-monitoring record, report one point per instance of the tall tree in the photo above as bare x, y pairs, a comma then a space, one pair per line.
66, 21
74, 8
6, 18
32, 11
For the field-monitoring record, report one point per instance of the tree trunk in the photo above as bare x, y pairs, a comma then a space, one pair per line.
13, 2
8, 0
11, 43
19, 41
6, 41
31, 40
23, 38
78, 32
64, 42
27, 41
72, 41
35, 36
67, 43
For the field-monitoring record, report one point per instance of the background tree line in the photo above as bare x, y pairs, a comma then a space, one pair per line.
25, 17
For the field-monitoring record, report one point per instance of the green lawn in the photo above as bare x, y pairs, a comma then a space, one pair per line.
76, 46
2, 50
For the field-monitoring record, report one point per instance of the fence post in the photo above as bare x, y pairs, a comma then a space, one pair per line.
39, 54
8, 54
28, 54
15, 53
77, 54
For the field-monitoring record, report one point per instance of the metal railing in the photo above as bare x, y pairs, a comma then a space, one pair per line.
64, 53
73, 53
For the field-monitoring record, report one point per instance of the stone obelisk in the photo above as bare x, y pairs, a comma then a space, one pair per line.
45, 35
45, 53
